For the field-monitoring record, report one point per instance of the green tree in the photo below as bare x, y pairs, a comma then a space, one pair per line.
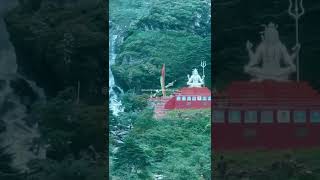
131, 159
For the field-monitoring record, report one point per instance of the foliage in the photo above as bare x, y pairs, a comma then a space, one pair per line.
134, 102
74, 134
60, 45
176, 33
271, 165
7, 172
70, 127
126, 12
138, 160
177, 148
68, 169
180, 15
143, 53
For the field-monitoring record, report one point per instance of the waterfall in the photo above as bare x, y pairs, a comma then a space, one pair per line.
115, 104
18, 137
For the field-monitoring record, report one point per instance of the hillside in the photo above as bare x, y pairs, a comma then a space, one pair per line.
177, 147
178, 36
58, 45
148, 35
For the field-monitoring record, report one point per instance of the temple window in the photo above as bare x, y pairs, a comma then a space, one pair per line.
199, 98
184, 98
178, 98
209, 98
266, 116
204, 98
283, 116
189, 98
218, 116
234, 116
299, 116
315, 116
250, 117
194, 98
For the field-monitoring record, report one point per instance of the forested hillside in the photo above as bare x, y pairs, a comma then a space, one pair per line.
60, 47
176, 33
150, 34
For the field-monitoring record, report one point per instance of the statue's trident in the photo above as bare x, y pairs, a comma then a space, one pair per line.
203, 64
296, 15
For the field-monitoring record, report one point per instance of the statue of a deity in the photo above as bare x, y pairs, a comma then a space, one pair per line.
271, 60
195, 80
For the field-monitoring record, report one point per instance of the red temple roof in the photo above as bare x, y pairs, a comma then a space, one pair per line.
269, 93
194, 91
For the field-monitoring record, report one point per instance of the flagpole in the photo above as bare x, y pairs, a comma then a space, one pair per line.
162, 81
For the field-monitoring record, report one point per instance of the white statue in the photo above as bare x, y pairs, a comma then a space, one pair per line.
271, 59
195, 80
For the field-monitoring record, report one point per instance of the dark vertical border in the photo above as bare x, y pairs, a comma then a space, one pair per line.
213, 13
107, 87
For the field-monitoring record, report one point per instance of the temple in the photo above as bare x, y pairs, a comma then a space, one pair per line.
270, 111
195, 96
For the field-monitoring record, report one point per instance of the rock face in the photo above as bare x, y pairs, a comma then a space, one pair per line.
58, 45
236, 22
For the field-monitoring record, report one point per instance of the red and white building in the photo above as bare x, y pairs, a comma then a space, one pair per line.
190, 98
266, 115
196, 96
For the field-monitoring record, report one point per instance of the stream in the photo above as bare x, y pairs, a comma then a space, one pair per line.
115, 104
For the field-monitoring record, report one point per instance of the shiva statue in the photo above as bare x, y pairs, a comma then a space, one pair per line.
195, 80
271, 60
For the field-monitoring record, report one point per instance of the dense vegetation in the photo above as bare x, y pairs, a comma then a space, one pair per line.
177, 147
57, 44
144, 53
176, 33
269, 165
7, 172
153, 33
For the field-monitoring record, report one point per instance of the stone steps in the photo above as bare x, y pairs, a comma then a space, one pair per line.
159, 111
